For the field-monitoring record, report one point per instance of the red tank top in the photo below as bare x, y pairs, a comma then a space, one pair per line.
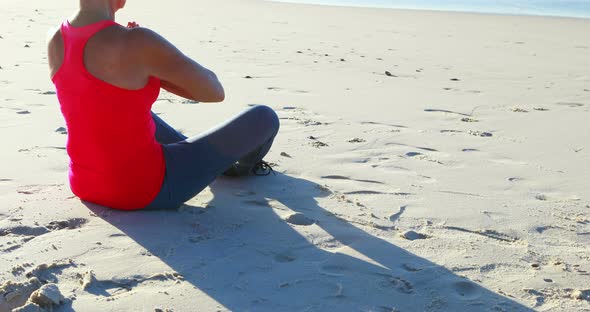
115, 160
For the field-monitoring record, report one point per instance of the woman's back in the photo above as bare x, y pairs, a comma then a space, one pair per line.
108, 54
107, 78
114, 158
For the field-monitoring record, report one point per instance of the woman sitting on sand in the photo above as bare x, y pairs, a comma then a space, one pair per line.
121, 154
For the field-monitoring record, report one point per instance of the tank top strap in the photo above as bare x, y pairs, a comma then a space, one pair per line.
75, 39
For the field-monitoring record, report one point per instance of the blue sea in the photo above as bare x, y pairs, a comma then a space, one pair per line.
569, 8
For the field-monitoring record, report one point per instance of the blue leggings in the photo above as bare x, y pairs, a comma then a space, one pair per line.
193, 163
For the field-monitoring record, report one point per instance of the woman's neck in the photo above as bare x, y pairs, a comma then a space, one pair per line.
92, 11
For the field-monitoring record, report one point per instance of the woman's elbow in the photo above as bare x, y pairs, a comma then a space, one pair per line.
221, 94
212, 96
218, 95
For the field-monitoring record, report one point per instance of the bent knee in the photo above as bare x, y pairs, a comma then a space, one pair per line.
266, 116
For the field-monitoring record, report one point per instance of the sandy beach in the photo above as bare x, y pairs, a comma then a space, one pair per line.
426, 161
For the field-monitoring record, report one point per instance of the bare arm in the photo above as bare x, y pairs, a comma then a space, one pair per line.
54, 41
179, 74
175, 89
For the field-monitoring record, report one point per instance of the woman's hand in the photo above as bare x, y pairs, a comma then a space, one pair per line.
132, 25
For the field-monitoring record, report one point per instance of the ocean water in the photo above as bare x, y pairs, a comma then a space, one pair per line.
567, 8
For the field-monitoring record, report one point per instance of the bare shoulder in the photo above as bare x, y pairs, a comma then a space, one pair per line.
152, 52
54, 37
148, 40
142, 35
55, 48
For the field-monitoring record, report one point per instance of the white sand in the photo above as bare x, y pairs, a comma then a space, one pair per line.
503, 220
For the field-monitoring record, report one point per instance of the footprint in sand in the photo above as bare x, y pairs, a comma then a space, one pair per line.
244, 193
480, 134
395, 217
413, 235
16, 294
289, 91
542, 229
466, 290
491, 234
357, 140
116, 285
570, 104
23, 231
365, 192
312, 288
432, 110
285, 257
338, 177
336, 266
541, 197
304, 121
47, 272
398, 284
41, 151
318, 144
411, 267
69, 224
421, 156
390, 74
412, 146
257, 202
450, 131
382, 124
581, 294
299, 219
27, 233
36, 189
19, 269
538, 296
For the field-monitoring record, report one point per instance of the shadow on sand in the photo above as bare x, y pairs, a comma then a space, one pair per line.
243, 255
